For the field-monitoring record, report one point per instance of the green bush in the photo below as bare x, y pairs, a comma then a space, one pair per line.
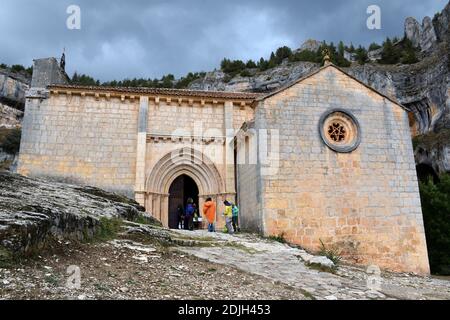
436, 213
332, 253
109, 228
306, 55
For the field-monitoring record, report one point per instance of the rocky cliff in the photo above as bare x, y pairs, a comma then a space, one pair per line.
423, 88
35, 211
13, 87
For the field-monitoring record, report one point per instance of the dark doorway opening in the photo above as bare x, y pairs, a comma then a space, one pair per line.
183, 188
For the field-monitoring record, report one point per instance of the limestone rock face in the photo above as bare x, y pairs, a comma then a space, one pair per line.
311, 45
259, 82
413, 31
10, 117
428, 37
423, 36
12, 89
33, 210
441, 24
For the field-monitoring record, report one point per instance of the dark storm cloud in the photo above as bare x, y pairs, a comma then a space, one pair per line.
150, 38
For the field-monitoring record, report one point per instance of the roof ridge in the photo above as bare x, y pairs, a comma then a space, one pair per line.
331, 65
219, 94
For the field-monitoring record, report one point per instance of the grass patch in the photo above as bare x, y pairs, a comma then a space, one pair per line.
321, 268
332, 253
307, 295
6, 258
141, 219
52, 279
241, 247
101, 287
279, 238
108, 229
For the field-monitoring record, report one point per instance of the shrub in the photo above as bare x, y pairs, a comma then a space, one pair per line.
232, 67
108, 229
306, 55
280, 238
436, 213
332, 253
17, 68
361, 55
374, 46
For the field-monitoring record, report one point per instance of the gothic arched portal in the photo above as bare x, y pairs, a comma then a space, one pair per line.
186, 162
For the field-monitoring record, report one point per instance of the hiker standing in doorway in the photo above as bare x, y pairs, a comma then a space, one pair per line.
235, 211
228, 213
209, 211
189, 215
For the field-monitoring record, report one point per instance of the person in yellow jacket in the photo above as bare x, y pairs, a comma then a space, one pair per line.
228, 213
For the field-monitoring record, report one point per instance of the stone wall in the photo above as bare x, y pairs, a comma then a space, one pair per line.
365, 202
201, 128
121, 143
81, 139
47, 71
248, 184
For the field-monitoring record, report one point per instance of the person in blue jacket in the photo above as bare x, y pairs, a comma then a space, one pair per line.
189, 215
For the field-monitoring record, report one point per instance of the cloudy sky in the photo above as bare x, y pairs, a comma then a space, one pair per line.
149, 38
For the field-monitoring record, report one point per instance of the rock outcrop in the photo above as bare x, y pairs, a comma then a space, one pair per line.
413, 31
10, 117
32, 211
13, 87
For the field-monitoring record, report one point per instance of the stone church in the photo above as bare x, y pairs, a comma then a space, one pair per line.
326, 159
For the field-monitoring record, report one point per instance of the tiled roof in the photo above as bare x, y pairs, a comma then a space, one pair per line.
161, 91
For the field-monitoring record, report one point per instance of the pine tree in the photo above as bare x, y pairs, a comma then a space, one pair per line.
341, 48
361, 55
390, 54
409, 52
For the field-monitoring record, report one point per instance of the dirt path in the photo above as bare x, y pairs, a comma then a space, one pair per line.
199, 266
128, 270
283, 263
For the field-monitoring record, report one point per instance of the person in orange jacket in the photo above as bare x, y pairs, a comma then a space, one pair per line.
209, 211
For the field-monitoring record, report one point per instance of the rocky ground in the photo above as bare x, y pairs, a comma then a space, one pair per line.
198, 265
123, 269
121, 253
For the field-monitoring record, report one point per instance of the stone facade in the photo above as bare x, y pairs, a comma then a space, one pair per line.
263, 152
365, 202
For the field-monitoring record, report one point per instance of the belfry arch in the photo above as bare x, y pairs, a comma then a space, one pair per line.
184, 161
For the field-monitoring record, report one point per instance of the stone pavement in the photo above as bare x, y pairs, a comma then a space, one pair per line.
282, 263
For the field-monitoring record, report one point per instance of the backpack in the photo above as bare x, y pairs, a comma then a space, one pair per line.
235, 211
190, 210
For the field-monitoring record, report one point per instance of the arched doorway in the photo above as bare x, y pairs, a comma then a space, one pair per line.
183, 161
181, 189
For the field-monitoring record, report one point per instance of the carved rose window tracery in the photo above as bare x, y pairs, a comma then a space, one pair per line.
337, 132
340, 130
